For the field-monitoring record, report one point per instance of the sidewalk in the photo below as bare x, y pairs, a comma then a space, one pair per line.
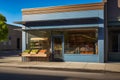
12, 59
66, 66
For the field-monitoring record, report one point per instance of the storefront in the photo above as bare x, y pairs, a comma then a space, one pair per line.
72, 33
65, 42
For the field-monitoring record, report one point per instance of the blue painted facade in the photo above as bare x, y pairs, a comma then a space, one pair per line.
63, 15
81, 58
70, 15
23, 39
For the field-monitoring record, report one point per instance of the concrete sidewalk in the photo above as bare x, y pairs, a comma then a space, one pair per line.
66, 66
12, 59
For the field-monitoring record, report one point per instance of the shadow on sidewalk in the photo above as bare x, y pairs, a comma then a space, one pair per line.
10, 53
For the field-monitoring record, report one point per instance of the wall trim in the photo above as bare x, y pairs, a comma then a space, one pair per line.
70, 8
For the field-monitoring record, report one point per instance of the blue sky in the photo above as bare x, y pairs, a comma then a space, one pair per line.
11, 9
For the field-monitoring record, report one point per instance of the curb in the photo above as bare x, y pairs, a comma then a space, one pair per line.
61, 69
65, 69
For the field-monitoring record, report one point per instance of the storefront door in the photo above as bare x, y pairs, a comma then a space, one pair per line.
114, 46
57, 48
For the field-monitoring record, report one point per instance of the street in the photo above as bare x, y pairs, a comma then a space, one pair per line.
31, 74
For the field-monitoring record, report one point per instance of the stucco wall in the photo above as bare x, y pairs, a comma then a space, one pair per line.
13, 35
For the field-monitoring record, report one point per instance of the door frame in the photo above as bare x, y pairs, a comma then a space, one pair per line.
52, 44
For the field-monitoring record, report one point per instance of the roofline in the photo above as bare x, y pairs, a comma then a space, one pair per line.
14, 25
57, 6
68, 8
24, 22
95, 26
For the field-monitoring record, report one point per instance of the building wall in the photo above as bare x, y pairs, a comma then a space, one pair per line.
62, 12
62, 15
83, 12
13, 35
113, 17
113, 10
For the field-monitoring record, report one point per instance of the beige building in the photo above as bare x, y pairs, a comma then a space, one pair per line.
14, 39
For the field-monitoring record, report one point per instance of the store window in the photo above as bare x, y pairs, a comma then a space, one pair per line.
81, 42
38, 40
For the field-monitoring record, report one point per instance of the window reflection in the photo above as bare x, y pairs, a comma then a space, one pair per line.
38, 40
81, 42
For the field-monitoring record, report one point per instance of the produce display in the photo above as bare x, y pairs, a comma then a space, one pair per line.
26, 51
34, 51
42, 51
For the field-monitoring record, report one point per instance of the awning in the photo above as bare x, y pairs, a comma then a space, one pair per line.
76, 21
63, 27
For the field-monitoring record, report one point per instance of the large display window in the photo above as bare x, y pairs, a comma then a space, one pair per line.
81, 42
38, 40
76, 41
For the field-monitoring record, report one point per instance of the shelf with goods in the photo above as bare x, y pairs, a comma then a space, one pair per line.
33, 49
39, 44
35, 45
78, 47
37, 50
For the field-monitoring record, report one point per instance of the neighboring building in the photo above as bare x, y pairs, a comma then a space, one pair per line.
14, 41
113, 27
82, 32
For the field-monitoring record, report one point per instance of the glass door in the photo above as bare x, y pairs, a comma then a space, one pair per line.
57, 48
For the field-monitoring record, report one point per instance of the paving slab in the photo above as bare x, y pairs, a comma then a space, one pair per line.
41, 64
59, 64
77, 65
112, 67
95, 66
10, 59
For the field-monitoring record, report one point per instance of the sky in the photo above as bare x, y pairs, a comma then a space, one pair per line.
11, 9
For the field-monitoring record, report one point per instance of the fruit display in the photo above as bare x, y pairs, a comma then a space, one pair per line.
34, 51
43, 51
25, 53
